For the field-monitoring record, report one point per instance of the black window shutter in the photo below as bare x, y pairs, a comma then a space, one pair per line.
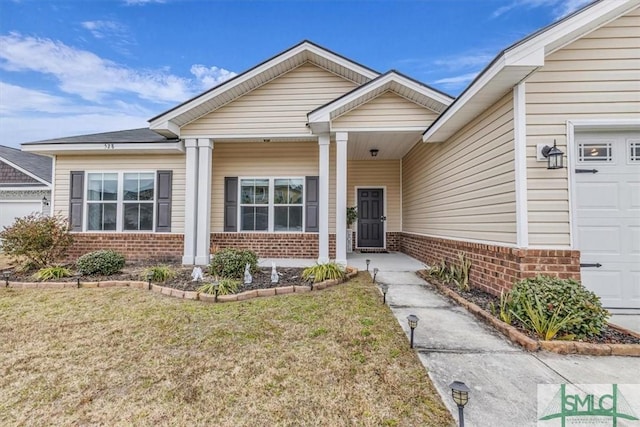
76, 199
163, 201
312, 204
231, 204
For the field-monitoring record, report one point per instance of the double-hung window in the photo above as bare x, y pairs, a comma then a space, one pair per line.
120, 201
271, 204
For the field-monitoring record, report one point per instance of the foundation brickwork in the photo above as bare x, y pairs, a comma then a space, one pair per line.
136, 247
494, 268
274, 245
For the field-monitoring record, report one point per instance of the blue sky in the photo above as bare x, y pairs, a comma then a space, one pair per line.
76, 67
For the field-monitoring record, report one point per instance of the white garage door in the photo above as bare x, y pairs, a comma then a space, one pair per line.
608, 215
10, 210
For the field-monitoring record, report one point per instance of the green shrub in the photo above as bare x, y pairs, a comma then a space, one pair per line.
564, 298
158, 273
322, 272
104, 262
544, 322
453, 273
231, 262
40, 239
54, 272
225, 286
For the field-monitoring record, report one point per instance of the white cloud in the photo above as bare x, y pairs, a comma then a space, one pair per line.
560, 8
141, 2
212, 76
456, 82
464, 60
104, 29
16, 99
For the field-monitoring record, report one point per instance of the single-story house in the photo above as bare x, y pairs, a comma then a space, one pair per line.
272, 158
25, 184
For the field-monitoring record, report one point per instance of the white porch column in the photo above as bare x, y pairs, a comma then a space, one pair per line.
191, 200
341, 197
323, 223
203, 236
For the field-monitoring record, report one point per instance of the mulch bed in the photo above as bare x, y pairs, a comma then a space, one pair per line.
484, 300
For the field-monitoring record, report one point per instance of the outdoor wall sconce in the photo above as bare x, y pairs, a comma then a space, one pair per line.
374, 152
368, 261
460, 394
45, 202
375, 273
553, 156
6, 275
413, 322
384, 288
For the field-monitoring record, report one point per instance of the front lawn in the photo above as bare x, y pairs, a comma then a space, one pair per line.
131, 357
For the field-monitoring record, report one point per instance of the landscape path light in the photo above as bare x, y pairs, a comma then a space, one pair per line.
384, 288
413, 322
77, 276
216, 285
375, 273
6, 275
368, 261
460, 394
150, 278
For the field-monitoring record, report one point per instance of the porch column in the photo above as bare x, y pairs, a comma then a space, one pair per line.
341, 197
323, 223
191, 200
203, 236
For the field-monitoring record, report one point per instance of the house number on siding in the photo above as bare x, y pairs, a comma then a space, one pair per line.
109, 146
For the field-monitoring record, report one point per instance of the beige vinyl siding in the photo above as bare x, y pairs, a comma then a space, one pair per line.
377, 173
464, 188
273, 159
65, 164
278, 107
595, 77
386, 110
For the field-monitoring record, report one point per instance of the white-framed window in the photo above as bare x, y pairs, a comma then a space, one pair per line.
272, 204
120, 201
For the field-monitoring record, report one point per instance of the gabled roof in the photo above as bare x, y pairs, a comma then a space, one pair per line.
38, 167
516, 62
169, 122
130, 135
393, 81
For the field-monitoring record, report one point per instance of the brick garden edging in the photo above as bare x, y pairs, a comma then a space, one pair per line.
190, 295
531, 344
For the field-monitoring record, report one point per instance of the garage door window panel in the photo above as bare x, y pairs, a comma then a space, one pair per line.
595, 152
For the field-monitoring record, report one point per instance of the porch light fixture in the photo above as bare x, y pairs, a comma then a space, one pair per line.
384, 287
6, 274
553, 156
413, 322
374, 152
45, 202
368, 261
460, 394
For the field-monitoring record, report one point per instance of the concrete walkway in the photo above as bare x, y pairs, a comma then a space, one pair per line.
453, 345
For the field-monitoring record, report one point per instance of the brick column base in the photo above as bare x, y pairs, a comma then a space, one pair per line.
494, 268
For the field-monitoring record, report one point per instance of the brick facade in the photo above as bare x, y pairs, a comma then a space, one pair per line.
494, 268
159, 247
276, 245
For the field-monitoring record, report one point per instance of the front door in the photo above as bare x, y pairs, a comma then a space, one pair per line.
370, 218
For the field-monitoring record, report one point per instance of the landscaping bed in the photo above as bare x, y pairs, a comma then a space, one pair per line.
613, 340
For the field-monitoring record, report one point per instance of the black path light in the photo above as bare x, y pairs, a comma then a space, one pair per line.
150, 278
413, 322
77, 276
460, 393
375, 273
6, 274
553, 155
384, 288
368, 261
216, 285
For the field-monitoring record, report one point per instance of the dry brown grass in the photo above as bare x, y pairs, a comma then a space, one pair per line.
130, 357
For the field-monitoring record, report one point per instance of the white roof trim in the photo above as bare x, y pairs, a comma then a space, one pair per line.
108, 148
162, 124
323, 114
24, 171
46, 188
522, 59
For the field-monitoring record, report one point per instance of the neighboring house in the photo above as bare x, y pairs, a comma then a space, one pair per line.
25, 184
271, 159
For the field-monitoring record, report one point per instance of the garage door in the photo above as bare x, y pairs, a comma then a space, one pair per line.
10, 210
608, 215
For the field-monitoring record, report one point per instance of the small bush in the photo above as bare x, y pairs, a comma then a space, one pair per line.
40, 239
104, 262
225, 286
54, 272
158, 273
562, 298
322, 272
231, 262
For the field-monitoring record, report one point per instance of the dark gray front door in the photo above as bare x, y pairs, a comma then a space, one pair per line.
370, 218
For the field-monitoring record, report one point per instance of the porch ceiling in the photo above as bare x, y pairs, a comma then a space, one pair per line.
390, 145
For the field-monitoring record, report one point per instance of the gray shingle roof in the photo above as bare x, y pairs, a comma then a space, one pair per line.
39, 166
131, 135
